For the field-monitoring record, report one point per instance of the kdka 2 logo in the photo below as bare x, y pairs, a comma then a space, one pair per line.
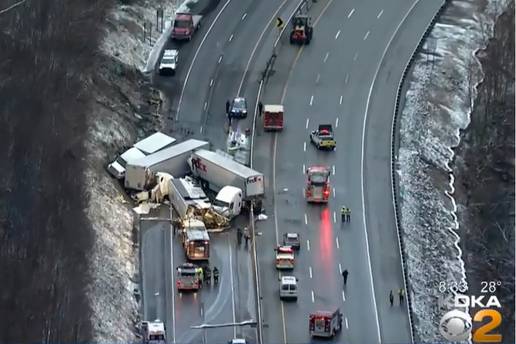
457, 325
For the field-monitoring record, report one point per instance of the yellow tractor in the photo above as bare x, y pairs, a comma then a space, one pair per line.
302, 30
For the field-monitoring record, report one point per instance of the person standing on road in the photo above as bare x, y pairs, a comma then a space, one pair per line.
239, 235
345, 274
246, 236
343, 210
391, 298
260, 108
348, 214
227, 107
401, 294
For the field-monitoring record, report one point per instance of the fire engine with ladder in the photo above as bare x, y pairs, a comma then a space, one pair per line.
317, 188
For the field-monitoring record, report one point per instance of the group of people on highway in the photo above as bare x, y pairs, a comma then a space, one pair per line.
345, 214
204, 274
401, 291
245, 234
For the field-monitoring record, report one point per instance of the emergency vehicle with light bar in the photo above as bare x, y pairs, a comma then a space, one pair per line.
317, 188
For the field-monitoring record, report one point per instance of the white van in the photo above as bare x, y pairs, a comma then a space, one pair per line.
288, 287
228, 202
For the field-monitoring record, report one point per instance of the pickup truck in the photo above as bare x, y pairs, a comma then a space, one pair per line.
323, 138
185, 25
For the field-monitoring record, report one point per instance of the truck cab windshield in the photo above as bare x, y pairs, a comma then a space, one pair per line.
182, 24
318, 179
221, 203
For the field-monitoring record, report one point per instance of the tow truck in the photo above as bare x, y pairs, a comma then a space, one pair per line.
188, 277
153, 332
285, 259
302, 30
325, 323
322, 138
317, 188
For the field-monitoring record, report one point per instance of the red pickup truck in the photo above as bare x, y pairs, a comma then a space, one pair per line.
185, 25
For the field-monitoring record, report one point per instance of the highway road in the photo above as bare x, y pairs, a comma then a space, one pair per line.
347, 76
224, 59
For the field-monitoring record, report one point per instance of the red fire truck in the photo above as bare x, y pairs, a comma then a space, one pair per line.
317, 185
273, 117
324, 323
188, 277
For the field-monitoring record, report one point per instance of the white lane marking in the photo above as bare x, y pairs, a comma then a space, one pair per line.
346, 319
284, 323
304, 169
307, 121
220, 59
340, 269
343, 296
326, 57
366, 35
310, 271
340, 100
308, 245
333, 192
274, 15
337, 241
195, 57
347, 77
379, 14
317, 78
351, 13
200, 129
306, 219
313, 296
311, 100
211, 82
334, 217
337, 34
337, 122
232, 286
281, 33
245, 15
173, 281
205, 105
231, 37
304, 149
355, 57
362, 171
333, 169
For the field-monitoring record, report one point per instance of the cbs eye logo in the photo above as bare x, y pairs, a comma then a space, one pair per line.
455, 326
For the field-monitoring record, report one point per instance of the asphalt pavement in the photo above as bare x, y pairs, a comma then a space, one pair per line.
330, 83
342, 75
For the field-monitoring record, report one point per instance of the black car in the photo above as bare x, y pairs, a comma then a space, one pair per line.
238, 108
293, 240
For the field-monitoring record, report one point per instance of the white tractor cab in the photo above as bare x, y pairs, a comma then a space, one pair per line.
153, 332
140, 149
324, 323
288, 287
117, 167
237, 341
228, 202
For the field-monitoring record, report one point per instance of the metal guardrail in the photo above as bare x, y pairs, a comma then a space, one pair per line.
394, 162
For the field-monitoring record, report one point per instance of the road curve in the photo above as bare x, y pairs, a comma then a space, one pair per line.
330, 83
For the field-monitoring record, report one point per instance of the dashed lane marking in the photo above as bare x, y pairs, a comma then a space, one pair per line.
311, 99
337, 122
313, 297
343, 296
308, 245
379, 14
334, 217
340, 100
307, 122
304, 147
346, 319
306, 219
366, 35
231, 37
245, 15
351, 13
310, 271
326, 57
355, 57
337, 241
337, 34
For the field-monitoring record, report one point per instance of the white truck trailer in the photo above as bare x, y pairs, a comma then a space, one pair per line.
183, 193
216, 171
173, 160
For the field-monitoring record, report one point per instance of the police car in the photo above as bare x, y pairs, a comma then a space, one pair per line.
168, 62
238, 108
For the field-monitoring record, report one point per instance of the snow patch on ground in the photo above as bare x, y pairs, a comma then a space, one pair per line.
437, 106
125, 30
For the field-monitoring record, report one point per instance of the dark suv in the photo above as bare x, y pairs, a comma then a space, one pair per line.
238, 108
